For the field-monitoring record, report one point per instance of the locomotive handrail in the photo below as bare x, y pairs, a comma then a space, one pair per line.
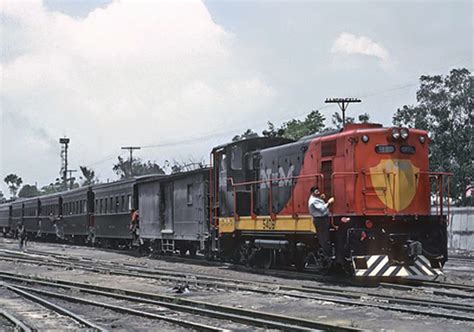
440, 190
275, 179
270, 192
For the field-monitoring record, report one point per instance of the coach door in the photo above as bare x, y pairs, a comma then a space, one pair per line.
166, 207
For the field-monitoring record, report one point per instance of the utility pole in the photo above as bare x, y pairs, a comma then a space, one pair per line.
130, 149
343, 104
65, 142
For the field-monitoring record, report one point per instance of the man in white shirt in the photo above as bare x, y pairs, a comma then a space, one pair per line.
319, 209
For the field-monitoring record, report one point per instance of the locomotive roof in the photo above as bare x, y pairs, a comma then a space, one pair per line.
321, 134
278, 140
158, 177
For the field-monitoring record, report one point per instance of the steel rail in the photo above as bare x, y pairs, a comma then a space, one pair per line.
126, 310
60, 310
434, 284
239, 285
167, 272
266, 320
18, 323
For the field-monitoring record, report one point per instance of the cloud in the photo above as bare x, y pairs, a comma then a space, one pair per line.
350, 44
133, 72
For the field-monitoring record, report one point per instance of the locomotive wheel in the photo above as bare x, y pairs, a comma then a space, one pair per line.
317, 262
241, 254
264, 258
299, 262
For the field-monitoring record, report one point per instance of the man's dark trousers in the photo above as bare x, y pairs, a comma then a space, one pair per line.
322, 230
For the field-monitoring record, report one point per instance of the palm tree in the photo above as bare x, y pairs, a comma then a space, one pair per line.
14, 182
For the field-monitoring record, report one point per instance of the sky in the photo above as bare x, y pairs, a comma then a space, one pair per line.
179, 77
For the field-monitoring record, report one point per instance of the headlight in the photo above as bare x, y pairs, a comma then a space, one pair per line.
395, 133
422, 139
365, 138
404, 133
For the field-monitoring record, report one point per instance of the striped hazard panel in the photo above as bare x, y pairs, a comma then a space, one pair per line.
379, 266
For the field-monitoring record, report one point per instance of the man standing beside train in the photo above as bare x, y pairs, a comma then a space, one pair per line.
319, 209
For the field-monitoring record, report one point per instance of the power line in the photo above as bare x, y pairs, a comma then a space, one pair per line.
195, 138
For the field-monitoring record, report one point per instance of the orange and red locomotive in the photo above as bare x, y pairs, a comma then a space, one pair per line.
381, 221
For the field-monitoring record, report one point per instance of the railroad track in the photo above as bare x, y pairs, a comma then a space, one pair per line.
322, 293
38, 296
15, 322
243, 316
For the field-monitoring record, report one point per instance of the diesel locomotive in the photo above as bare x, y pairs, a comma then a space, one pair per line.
251, 205
381, 221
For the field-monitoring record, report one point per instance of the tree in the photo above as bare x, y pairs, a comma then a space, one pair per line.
180, 166
336, 120
364, 118
122, 168
444, 109
29, 191
296, 129
88, 176
14, 182
249, 133
52, 188
2, 198
272, 131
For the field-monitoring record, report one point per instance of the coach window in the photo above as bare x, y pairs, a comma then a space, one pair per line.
117, 204
111, 206
105, 205
236, 158
190, 194
129, 200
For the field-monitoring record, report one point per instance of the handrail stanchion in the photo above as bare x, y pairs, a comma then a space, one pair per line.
293, 214
441, 196
449, 195
236, 217
211, 201
252, 207
270, 203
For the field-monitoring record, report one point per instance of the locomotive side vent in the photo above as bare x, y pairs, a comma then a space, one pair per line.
328, 148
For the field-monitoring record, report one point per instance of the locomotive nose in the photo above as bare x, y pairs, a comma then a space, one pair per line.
397, 182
